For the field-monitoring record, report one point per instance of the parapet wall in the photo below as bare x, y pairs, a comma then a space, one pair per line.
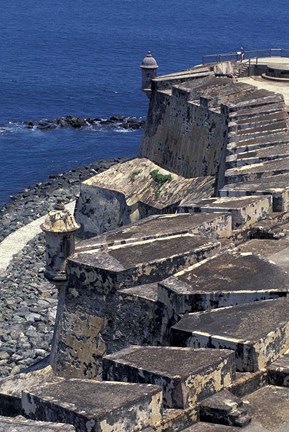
183, 136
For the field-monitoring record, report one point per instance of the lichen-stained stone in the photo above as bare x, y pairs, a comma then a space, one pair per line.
225, 280
24, 425
186, 375
273, 250
125, 265
278, 371
161, 226
212, 427
141, 316
96, 406
88, 326
257, 171
244, 210
12, 386
224, 408
248, 382
130, 191
269, 409
258, 332
278, 189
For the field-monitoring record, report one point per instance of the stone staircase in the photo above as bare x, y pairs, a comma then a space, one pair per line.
257, 161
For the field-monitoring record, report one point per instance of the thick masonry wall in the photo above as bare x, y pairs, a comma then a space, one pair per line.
182, 136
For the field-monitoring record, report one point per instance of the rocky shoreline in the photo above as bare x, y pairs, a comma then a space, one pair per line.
28, 302
115, 122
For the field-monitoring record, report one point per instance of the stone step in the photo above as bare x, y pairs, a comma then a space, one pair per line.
258, 332
257, 132
278, 189
94, 277
160, 227
186, 375
248, 382
245, 210
278, 372
257, 171
269, 409
253, 100
266, 109
142, 316
258, 118
225, 280
23, 425
260, 142
96, 406
279, 151
224, 408
255, 128
142, 262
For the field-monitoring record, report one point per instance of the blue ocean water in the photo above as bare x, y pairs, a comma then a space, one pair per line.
82, 58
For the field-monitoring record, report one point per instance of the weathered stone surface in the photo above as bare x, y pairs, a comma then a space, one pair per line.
268, 408
225, 280
273, 250
224, 408
11, 387
258, 170
176, 125
136, 189
278, 371
186, 375
258, 332
244, 210
146, 261
248, 382
92, 405
161, 226
90, 313
141, 316
277, 189
24, 425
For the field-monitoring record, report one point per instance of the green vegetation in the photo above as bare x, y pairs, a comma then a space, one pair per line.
160, 180
134, 175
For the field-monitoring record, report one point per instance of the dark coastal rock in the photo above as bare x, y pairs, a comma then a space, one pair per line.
115, 121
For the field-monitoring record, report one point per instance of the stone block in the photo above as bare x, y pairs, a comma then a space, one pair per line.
268, 408
224, 280
245, 210
278, 371
128, 192
248, 382
142, 316
162, 226
96, 406
257, 171
279, 191
88, 326
224, 408
186, 375
23, 425
258, 332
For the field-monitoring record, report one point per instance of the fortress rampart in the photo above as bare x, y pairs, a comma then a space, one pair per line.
173, 312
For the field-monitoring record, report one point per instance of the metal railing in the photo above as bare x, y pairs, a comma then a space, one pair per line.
246, 55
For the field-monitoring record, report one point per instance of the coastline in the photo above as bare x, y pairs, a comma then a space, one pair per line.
28, 301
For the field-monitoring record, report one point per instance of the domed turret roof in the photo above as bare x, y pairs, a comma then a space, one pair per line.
149, 62
60, 220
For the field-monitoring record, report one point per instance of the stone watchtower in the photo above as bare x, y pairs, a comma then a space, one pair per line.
59, 227
149, 68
